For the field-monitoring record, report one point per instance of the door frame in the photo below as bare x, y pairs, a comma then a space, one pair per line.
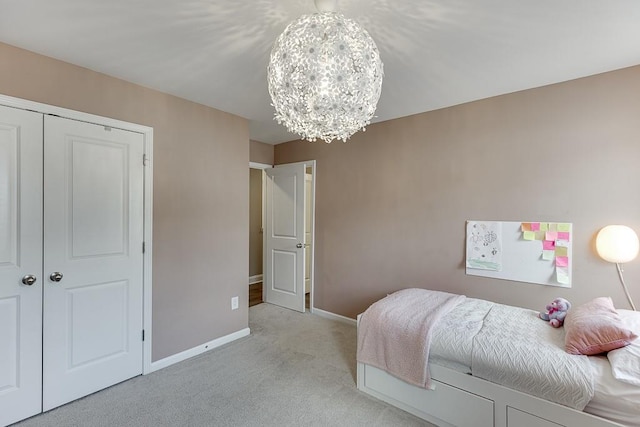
147, 256
262, 167
312, 248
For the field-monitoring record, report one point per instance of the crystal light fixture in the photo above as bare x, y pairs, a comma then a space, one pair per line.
325, 75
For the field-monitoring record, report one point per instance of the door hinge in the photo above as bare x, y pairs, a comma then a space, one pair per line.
143, 335
145, 160
143, 247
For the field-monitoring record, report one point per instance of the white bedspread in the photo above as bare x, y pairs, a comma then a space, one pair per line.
452, 340
518, 350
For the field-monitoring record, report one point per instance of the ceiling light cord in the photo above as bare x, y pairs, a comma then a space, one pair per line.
325, 5
624, 286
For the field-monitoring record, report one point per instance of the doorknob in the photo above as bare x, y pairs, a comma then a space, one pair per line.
299, 246
29, 279
55, 276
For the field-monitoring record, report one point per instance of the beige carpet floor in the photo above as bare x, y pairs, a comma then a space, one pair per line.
293, 370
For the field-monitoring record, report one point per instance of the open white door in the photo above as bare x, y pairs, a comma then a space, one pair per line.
284, 236
20, 264
93, 233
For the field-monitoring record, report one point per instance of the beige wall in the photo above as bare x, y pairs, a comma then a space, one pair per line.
200, 210
260, 152
391, 203
255, 222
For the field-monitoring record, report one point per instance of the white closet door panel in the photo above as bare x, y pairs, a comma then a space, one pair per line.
98, 184
20, 255
93, 230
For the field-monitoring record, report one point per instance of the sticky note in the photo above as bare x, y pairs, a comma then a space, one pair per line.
564, 227
551, 235
548, 255
563, 235
562, 275
561, 251
544, 226
562, 243
529, 235
548, 245
562, 261
539, 235
535, 226
526, 226
553, 226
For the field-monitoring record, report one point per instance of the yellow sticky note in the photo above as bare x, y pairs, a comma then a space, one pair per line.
553, 226
540, 235
529, 235
548, 255
561, 251
564, 227
544, 226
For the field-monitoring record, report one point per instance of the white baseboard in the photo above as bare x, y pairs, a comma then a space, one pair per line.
333, 316
184, 355
255, 279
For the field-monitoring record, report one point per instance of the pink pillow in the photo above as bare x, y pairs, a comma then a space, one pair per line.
594, 328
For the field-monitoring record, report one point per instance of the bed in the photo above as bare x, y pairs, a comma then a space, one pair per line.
480, 371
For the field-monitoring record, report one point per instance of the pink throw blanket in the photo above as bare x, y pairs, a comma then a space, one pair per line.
394, 334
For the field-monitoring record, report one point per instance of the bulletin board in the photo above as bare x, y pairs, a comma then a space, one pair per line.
527, 251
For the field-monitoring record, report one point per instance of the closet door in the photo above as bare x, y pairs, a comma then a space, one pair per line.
93, 231
20, 263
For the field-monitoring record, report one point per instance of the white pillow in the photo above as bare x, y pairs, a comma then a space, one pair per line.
625, 361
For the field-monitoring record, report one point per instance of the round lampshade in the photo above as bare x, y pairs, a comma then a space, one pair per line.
617, 243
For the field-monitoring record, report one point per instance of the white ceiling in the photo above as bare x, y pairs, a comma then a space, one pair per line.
436, 53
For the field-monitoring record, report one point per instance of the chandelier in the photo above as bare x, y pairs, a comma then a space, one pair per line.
325, 76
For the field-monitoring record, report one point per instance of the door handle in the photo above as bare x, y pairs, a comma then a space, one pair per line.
29, 279
55, 276
299, 246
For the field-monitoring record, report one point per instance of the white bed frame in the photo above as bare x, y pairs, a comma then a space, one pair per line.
461, 400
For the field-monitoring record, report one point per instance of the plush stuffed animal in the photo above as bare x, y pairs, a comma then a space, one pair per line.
555, 312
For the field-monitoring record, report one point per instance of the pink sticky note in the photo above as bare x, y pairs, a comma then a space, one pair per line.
535, 226
551, 235
562, 261
548, 245
563, 235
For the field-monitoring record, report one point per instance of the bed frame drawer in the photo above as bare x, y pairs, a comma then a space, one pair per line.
517, 418
449, 405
